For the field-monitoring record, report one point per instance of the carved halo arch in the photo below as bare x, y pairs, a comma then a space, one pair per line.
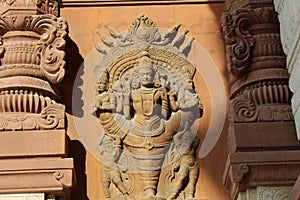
165, 53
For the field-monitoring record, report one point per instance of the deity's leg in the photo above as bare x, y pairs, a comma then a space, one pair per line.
150, 180
193, 177
116, 179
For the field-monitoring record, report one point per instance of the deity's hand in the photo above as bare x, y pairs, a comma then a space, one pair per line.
190, 101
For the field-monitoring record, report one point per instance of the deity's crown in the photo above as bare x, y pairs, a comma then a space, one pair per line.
146, 62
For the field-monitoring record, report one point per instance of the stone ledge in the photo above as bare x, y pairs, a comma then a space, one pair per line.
246, 170
262, 135
32, 143
24, 196
92, 3
53, 175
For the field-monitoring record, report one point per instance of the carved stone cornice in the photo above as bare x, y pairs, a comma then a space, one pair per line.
262, 133
234, 4
32, 119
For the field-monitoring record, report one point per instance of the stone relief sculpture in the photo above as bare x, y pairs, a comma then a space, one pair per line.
146, 103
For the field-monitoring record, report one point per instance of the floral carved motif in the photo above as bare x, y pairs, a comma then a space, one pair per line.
238, 39
51, 117
276, 193
40, 49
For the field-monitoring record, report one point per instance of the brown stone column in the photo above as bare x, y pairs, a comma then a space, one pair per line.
264, 150
32, 119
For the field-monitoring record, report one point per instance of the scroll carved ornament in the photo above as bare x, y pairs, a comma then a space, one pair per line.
146, 103
32, 65
34, 42
256, 62
51, 117
238, 40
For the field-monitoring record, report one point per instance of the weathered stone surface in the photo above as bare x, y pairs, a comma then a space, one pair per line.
146, 102
33, 143
25, 196
32, 118
262, 193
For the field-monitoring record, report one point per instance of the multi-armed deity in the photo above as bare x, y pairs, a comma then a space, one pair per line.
146, 103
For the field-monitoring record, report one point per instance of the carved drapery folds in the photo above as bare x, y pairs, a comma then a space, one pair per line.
146, 102
32, 64
255, 59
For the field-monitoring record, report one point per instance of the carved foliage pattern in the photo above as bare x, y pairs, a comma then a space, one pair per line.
256, 95
238, 40
51, 117
264, 101
43, 46
280, 193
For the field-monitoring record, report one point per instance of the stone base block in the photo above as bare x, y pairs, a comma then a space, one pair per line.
46, 175
246, 170
263, 136
32, 143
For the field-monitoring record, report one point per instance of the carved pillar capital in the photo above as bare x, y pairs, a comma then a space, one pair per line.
261, 117
256, 62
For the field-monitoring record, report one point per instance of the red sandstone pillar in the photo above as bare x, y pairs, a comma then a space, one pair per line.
262, 139
32, 117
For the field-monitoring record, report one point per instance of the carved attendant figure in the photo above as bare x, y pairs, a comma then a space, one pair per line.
110, 173
187, 166
105, 101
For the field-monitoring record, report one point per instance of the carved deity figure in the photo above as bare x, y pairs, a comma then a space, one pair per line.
151, 119
144, 100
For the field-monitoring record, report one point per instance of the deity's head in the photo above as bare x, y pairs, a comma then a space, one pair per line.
102, 84
146, 71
